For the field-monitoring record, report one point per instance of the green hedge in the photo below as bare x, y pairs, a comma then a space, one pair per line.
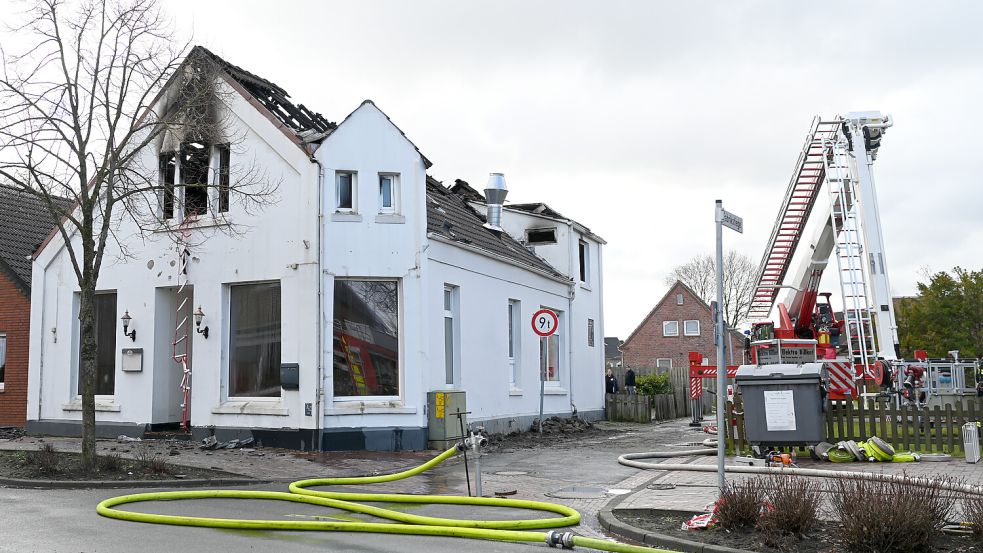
654, 384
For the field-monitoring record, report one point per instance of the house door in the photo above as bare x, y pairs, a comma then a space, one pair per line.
173, 339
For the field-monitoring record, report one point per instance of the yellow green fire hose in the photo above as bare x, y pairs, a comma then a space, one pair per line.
404, 523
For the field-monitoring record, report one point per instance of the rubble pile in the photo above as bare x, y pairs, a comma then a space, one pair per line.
557, 425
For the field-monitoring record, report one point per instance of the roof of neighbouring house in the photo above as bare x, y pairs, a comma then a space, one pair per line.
24, 223
611, 346
669, 292
450, 216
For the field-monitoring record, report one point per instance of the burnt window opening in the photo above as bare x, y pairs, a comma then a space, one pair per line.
167, 164
584, 252
223, 177
194, 177
537, 236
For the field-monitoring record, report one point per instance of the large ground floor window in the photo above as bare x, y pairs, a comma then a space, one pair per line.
254, 340
366, 338
104, 323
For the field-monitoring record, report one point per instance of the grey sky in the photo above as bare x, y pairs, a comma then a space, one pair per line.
632, 117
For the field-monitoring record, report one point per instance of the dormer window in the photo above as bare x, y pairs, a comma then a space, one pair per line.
541, 236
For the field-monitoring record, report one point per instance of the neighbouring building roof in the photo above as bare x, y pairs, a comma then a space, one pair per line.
450, 216
24, 224
611, 346
670, 292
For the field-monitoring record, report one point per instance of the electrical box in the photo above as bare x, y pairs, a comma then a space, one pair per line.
290, 376
445, 418
132, 360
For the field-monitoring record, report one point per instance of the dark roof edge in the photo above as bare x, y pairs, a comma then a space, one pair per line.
497, 257
426, 162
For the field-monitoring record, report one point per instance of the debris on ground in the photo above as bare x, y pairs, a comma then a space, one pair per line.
124, 438
10, 432
557, 425
211, 442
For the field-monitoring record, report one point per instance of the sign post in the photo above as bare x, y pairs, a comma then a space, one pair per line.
544, 323
733, 222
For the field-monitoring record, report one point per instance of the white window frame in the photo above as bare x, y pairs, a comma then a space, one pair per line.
353, 180
560, 341
394, 194
227, 344
660, 365
450, 299
679, 299
583, 251
3, 356
666, 326
515, 344
686, 330
378, 400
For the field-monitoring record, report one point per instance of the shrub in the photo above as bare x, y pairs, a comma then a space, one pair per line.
653, 384
891, 516
794, 506
151, 462
111, 462
44, 459
973, 513
740, 503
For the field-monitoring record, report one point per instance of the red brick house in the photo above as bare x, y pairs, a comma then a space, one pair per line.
24, 224
680, 323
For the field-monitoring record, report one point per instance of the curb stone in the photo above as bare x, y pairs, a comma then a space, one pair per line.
611, 523
110, 484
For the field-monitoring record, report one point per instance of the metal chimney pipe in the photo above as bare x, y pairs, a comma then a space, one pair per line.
495, 192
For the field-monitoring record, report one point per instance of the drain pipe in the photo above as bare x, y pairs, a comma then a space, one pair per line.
318, 402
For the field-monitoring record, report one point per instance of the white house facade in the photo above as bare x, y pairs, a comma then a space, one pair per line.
328, 315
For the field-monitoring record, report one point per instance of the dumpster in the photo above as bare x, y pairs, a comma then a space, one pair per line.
783, 403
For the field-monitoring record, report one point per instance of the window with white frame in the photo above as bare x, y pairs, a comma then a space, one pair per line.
366, 338
346, 190
550, 350
254, 340
679, 299
663, 363
104, 321
584, 262
691, 328
670, 328
388, 193
3, 359
515, 314
451, 335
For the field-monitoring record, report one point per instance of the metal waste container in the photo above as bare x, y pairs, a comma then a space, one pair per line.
783, 403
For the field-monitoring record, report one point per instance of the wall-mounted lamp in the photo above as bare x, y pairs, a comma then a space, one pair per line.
199, 315
126, 318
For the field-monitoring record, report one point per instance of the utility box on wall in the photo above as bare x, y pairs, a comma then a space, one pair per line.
443, 422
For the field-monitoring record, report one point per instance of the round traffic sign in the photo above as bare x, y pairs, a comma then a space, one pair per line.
544, 322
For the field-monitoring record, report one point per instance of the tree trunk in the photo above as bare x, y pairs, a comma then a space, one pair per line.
87, 374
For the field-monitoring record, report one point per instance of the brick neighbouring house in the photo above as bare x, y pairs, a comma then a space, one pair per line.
24, 224
680, 323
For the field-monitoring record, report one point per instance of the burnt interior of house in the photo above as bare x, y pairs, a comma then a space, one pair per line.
194, 176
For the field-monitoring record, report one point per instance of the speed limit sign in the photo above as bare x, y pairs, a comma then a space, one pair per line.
544, 322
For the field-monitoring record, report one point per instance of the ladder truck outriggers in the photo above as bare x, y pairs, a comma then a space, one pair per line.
833, 186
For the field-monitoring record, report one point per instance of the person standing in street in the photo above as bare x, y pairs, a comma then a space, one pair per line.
630, 381
611, 382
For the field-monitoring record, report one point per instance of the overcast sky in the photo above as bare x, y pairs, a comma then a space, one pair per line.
633, 117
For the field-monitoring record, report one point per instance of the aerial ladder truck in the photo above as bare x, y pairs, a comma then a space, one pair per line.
832, 186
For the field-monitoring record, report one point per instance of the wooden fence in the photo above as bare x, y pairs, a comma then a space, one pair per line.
678, 381
639, 408
936, 430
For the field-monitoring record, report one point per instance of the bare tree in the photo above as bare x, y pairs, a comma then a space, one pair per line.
102, 87
740, 279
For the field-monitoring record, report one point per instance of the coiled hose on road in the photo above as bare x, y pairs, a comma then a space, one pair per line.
404, 523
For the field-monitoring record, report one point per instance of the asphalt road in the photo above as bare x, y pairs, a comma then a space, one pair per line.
66, 521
